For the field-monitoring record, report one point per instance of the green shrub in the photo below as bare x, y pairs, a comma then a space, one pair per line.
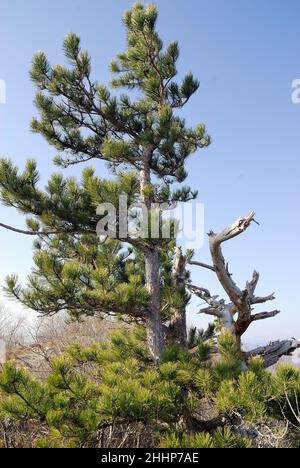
117, 385
220, 439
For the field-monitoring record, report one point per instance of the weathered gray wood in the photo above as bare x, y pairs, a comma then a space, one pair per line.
201, 264
237, 315
274, 351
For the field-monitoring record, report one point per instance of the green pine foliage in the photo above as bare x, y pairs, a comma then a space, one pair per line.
116, 383
257, 393
86, 121
78, 276
230, 366
196, 335
100, 386
135, 120
221, 439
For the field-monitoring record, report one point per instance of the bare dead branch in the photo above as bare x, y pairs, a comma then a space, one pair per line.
251, 285
216, 241
214, 311
264, 315
200, 264
242, 300
234, 230
205, 295
274, 351
262, 300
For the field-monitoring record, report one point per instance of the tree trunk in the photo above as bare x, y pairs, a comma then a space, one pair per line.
228, 324
178, 326
152, 269
154, 324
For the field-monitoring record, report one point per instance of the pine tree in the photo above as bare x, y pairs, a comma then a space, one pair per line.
145, 143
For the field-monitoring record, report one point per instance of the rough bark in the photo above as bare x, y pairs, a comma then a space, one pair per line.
152, 270
154, 323
178, 326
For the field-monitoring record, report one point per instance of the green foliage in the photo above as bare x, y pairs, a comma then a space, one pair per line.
201, 341
287, 381
203, 351
174, 353
90, 389
83, 277
248, 395
68, 100
257, 393
286, 391
247, 392
197, 336
26, 397
95, 387
116, 383
204, 382
84, 121
220, 439
230, 365
225, 439
204, 441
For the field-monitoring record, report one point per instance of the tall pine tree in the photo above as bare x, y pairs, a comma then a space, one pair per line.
146, 144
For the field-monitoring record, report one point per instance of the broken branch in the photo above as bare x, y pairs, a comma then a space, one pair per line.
200, 264
264, 315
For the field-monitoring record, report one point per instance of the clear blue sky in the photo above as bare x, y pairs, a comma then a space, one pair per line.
246, 55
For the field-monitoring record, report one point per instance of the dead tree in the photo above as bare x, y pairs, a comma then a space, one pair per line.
274, 351
178, 326
237, 315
